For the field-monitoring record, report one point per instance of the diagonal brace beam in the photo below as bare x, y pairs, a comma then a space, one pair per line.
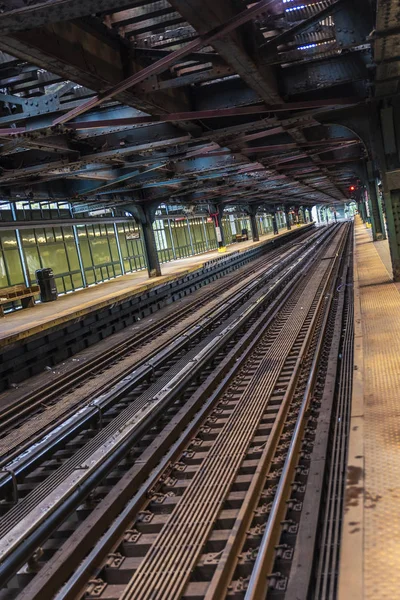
163, 64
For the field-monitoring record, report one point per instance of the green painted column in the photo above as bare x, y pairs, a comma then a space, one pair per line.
392, 205
364, 212
376, 223
374, 204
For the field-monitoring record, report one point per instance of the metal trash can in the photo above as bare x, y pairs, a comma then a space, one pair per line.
47, 285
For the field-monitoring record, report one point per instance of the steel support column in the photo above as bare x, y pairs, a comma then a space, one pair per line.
392, 204
218, 226
145, 216
153, 263
79, 254
275, 224
375, 210
361, 210
121, 258
254, 228
252, 212
287, 219
21, 251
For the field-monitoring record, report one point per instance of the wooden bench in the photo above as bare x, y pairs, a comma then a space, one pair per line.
240, 238
16, 293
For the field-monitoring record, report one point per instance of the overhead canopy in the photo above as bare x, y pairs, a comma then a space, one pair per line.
187, 101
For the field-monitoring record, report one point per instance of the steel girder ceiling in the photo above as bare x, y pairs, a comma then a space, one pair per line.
189, 101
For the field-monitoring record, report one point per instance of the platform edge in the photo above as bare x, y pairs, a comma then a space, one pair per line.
351, 556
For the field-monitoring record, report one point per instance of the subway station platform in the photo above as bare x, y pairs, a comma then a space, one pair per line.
30, 321
370, 550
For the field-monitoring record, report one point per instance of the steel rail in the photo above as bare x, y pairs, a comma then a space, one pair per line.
113, 515
301, 580
258, 583
80, 541
328, 564
42, 396
197, 509
227, 562
74, 489
26, 456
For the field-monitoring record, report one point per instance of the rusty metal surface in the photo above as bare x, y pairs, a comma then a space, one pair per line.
259, 52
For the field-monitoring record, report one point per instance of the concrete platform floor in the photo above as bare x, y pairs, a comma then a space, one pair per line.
22, 323
370, 550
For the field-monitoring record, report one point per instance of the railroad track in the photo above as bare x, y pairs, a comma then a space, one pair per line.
186, 488
138, 343
36, 437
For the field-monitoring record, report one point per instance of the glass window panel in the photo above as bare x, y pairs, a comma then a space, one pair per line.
100, 251
3, 273
54, 256
8, 240
32, 260
72, 255
58, 234
14, 266
77, 281
28, 237
113, 243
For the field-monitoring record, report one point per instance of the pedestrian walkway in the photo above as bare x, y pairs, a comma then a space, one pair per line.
370, 551
23, 323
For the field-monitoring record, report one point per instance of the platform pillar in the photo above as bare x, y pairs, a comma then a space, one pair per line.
275, 224
361, 210
218, 226
153, 263
375, 211
288, 226
392, 205
252, 211
145, 215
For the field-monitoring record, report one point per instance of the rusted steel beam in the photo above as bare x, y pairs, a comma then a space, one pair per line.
256, 109
238, 48
212, 114
44, 12
90, 56
163, 64
332, 145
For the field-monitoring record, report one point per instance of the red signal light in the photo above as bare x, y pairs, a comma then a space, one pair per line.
352, 188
